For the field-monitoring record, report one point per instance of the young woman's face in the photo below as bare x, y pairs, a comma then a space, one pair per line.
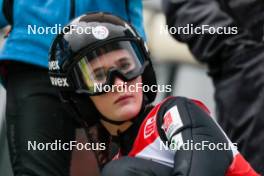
119, 105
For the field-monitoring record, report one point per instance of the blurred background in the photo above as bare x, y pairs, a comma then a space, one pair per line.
174, 66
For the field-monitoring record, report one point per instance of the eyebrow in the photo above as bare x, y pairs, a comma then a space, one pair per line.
117, 61
122, 59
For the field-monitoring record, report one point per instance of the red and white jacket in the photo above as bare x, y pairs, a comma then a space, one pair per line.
179, 133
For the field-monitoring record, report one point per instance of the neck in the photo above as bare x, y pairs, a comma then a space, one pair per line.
114, 129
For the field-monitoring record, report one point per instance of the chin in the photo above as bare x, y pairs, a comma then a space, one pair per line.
127, 113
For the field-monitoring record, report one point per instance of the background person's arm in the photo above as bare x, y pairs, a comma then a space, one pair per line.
247, 13
209, 48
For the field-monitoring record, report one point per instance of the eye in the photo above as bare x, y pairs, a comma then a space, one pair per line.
99, 74
125, 64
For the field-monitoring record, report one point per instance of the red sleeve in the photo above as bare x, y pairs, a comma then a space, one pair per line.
240, 167
182, 120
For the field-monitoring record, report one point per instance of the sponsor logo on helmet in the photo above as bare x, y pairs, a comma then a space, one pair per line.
54, 65
100, 32
60, 82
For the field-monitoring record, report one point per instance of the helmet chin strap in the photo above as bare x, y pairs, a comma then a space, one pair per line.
113, 121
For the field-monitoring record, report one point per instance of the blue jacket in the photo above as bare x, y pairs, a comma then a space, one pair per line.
24, 46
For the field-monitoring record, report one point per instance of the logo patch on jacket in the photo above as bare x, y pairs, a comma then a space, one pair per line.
171, 122
149, 128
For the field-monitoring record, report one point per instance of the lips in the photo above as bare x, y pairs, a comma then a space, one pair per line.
122, 98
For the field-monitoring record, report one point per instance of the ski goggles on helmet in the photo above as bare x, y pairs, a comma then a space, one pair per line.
100, 67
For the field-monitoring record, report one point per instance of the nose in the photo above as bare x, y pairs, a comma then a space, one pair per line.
119, 81
120, 86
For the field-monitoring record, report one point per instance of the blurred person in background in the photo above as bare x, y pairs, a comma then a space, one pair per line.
34, 111
235, 60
